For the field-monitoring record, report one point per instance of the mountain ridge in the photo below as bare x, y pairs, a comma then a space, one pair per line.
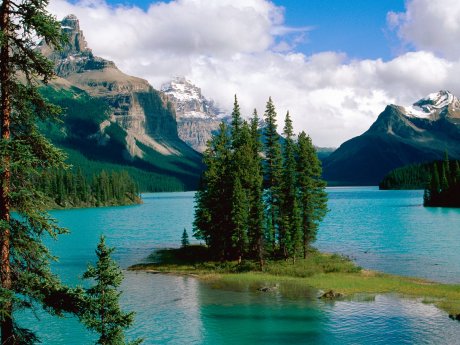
399, 136
139, 127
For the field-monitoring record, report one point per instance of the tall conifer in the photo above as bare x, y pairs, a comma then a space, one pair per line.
256, 213
104, 314
213, 199
236, 124
240, 214
273, 172
312, 195
289, 226
25, 276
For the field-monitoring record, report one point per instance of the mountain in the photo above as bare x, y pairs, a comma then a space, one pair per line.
399, 136
114, 117
197, 117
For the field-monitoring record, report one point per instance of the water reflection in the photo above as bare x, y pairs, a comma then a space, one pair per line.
388, 231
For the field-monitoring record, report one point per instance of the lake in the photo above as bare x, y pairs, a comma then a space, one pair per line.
385, 230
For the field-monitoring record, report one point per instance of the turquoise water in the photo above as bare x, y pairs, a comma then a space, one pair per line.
385, 230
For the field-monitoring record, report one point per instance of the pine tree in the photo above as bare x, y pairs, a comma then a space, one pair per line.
236, 124
444, 177
256, 203
456, 173
213, 199
239, 216
185, 242
273, 172
24, 153
104, 315
289, 226
312, 195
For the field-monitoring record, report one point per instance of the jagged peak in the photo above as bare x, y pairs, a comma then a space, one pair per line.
434, 105
71, 26
188, 99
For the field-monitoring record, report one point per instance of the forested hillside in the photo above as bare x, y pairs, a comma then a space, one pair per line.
79, 136
72, 188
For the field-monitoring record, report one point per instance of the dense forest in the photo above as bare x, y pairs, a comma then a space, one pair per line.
259, 199
443, 186
78, 135
68, 188
413, 176
439, 179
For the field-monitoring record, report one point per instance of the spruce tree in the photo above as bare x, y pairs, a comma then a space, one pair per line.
236, 124
256, 202
240, 213
273, 173
212, 221
185, 242
312, 195
104, 314
289, 226
24, 153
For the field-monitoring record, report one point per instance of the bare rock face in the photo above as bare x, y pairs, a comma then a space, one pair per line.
139, 109
197, 117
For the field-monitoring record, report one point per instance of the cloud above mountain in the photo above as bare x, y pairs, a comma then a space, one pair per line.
243, 47
430, 25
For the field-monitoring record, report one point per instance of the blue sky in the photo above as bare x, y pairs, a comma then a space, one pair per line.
335, 77
355, 27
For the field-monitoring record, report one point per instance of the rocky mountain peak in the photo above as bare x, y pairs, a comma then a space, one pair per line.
75, 57
197, 117
188, 100
434, 106
71, 27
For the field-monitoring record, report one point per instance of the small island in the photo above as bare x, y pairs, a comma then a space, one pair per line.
332, 275
440, 181
259, 217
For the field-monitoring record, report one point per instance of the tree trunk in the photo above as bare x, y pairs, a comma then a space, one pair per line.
7, 335
260, 253
305, 246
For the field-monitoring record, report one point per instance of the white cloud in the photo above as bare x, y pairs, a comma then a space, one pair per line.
243, 47
430, 25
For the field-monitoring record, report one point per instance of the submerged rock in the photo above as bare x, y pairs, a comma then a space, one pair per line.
455, 316
268, 288
331, 294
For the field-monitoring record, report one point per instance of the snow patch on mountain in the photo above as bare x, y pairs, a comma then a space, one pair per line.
434, 104
188, 100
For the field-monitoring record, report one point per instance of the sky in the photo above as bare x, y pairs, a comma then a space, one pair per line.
334, 64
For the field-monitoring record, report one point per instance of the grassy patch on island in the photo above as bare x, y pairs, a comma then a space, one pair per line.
319, 271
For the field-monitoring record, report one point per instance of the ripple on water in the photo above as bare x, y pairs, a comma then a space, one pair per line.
388, 231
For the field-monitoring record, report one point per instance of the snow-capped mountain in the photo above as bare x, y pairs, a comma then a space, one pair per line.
400, 135
434, 106
197, 117
188, 100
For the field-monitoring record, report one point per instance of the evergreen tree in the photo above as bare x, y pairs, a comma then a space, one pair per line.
236, 124
25, 276
444, 177
456, 173
240, 219
185, 240
312, 195
213, 199
104, 315
273, 172
256, 202
289, 226
435, 183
